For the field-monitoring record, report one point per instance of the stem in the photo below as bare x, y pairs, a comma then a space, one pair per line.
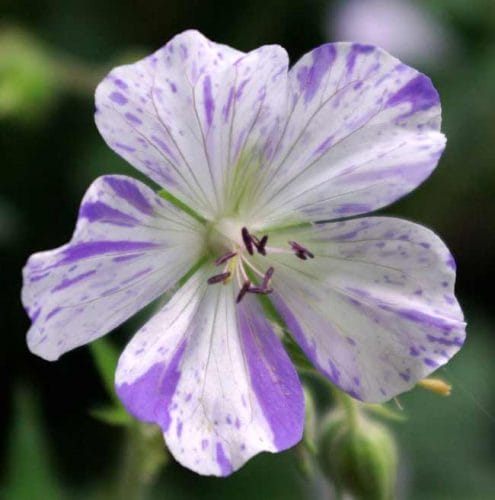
130, 481
143, 457
351, 408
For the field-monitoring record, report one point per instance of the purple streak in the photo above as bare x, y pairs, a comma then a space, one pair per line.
209, 103
419, 92
149, 397
128, 190
310, 78
93, 248
223, 461
273, 378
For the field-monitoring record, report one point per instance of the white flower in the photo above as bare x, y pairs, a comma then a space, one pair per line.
258, 153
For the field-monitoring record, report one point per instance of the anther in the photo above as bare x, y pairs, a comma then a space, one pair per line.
301, 252
218, 278
224, 258
248, 241
267, 277
260, 290
261, 244
243, 291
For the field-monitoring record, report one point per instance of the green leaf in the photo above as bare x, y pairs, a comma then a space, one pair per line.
180, 204
112, 415
105, 356
30, 474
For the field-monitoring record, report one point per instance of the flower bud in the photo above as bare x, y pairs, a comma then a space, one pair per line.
360, 459
27, 78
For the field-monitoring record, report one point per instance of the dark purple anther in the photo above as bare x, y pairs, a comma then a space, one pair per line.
243, 290
301, 252
224, 258
261, 244
218, 278
267, 277
248, 241
260, 290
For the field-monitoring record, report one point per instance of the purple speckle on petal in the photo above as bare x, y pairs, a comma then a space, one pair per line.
451, 263
133, 118
35, 314
118, 98
430, 362
223, 461
352, 208
209, 104
53, 313
413, 351
120, 84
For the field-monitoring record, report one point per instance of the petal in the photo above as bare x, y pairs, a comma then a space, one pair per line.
375, 309
363, 131
184, 114
215, 377
129, 247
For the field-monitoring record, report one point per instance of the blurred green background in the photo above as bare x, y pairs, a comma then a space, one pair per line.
52, 54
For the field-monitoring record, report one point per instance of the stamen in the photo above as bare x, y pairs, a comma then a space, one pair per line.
224, 258
248, 240
253, 267
218, 278
301, 252
267, 277
260, 246
260, 290
243, 291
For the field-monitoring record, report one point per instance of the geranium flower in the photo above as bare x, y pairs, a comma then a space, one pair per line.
258, 154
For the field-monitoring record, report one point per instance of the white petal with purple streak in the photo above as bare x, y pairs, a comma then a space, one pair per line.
363, 130
215, 377
129, 246
375, 309
184, 114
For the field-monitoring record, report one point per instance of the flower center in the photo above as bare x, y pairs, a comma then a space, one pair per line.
234, 246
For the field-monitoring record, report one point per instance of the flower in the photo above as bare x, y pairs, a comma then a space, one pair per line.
257, 153
403, 27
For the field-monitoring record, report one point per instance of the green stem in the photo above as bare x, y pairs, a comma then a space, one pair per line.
130, 482
351, 408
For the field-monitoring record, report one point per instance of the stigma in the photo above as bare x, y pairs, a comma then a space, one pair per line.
237, 264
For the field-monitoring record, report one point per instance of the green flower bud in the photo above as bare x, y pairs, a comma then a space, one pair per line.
27, 78
310, 425
358, 458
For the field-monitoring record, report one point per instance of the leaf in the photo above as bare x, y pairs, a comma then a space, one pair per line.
106, 356
30, 474
112, 415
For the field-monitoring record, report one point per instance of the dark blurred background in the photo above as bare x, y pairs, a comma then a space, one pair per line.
52, 54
